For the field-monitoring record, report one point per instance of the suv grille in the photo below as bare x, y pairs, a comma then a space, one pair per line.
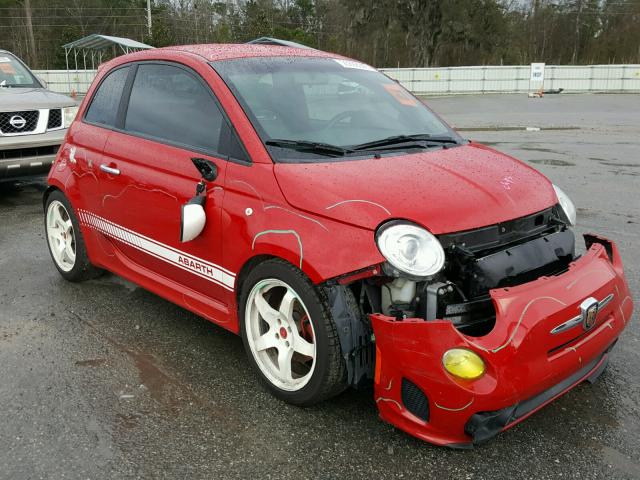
23, 122
55, 119
28, 152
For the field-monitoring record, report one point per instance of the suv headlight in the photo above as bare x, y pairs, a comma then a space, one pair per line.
69, 115
410, 249
567, 205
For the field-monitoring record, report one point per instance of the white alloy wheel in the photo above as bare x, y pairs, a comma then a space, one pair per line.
61, 236
280, 334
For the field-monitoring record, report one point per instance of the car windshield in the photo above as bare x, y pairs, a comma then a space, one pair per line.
325, 109
13, 74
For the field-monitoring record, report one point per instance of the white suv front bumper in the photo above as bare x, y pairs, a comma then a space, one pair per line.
29, 155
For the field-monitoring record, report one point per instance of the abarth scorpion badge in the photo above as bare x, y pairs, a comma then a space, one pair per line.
589, 311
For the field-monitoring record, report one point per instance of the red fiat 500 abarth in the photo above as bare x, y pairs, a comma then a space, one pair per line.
312, 205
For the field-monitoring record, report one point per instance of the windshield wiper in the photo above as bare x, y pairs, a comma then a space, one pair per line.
308, 146
399, 139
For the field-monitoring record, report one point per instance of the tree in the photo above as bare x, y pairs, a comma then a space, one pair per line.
411, 33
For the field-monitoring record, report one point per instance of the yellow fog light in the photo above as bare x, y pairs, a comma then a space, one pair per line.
463, 363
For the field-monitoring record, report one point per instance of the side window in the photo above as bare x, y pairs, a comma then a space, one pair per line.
231, 146
170, 104
106, 100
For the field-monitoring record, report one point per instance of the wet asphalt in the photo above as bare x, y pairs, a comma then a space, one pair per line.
106, 380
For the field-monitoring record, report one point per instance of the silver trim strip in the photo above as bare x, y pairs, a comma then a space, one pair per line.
605, 301
577, 320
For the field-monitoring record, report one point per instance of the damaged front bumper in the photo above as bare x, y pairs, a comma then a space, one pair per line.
527, 365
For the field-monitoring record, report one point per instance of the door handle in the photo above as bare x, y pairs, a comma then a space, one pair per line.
109, 170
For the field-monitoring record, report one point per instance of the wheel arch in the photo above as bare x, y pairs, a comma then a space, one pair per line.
287, 247
48, 191
256, 260
249, 265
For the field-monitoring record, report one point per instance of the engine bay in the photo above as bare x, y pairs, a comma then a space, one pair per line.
498, 256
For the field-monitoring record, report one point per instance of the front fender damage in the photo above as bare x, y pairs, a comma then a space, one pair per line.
527, 364
354, 331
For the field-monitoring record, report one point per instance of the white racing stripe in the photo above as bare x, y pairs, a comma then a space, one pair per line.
177, 258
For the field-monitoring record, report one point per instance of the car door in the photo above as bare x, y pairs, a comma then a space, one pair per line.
86, 139
147, 174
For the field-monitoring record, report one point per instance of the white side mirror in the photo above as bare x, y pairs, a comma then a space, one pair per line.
192, 219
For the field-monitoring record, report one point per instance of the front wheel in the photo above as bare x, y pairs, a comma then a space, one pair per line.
65, 241
290, 337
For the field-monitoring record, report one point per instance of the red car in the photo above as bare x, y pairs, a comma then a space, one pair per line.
312, 205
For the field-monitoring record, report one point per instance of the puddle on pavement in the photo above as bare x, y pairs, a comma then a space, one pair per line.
624, 172
584, 212
540, 149
110, 279
93, 362
614, 164
552, 162
611, 457
154, 380
128, 421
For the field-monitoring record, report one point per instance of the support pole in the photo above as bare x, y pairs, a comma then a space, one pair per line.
66, 57
149, 18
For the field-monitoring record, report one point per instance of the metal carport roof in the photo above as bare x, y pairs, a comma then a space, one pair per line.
277, 41
95, 45
101, 42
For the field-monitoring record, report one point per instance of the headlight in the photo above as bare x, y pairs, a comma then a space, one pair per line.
463, 363
69, 115
410, 249
567, 205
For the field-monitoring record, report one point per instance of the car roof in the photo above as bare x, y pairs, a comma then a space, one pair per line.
226, 51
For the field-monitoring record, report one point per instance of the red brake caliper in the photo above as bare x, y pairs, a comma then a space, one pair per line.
307, 330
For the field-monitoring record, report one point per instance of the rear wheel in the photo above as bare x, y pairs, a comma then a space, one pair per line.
289, 334
65, 241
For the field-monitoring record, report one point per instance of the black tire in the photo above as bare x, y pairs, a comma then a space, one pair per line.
329, 377
82, 269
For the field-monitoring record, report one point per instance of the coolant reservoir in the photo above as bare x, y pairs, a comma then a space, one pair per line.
401, 291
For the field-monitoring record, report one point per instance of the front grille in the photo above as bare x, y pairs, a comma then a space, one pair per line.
28, 152
55, 119
23, 122
414, 400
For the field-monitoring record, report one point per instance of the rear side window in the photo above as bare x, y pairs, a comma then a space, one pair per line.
104, 106
170, 104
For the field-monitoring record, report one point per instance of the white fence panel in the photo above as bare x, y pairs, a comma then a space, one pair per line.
448, 80
67, 81
516, 79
